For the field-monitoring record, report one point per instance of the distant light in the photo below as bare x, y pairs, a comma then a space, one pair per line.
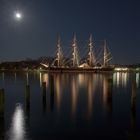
121, 69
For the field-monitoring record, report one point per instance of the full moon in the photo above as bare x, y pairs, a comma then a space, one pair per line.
18, 15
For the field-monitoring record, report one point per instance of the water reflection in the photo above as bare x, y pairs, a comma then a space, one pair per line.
17, 130
81, 80
58, 90
2, 120
40, 79
44, 84
74, 94
76, 101
120, 79
55, 84
137, 79
124, 79
107, 92
44, 77
91, 87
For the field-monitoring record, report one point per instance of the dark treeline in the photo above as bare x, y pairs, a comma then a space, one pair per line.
25, 64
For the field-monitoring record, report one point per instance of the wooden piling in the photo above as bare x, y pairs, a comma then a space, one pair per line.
2, 100
27, 99
51, 92
44, 96
2, 121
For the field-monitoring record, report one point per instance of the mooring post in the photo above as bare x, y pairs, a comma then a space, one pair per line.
51, 92
133, 101
44, 88
27, 99
44, 96
1, 101
2, 122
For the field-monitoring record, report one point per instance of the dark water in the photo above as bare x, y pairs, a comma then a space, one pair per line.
69, 106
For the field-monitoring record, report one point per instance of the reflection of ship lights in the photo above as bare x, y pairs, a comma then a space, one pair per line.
105, 89
17, 130
44, 78
81, 79
58, 90
107, 93
91, 90
74, 95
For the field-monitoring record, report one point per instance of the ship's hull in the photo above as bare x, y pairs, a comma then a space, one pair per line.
94, 70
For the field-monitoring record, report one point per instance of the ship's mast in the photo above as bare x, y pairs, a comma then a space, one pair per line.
75, 58
91, 54
59, 54
107, 55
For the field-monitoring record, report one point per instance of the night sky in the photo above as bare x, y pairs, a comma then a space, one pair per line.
35, 35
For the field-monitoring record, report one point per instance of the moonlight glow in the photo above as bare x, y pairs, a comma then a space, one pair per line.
17, 129
18, 15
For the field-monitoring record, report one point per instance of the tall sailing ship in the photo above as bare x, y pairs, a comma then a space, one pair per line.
90, 63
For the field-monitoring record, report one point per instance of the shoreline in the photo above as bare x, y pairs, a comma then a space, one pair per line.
71, 70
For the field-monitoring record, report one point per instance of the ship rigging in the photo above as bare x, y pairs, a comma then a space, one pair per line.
91, 61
